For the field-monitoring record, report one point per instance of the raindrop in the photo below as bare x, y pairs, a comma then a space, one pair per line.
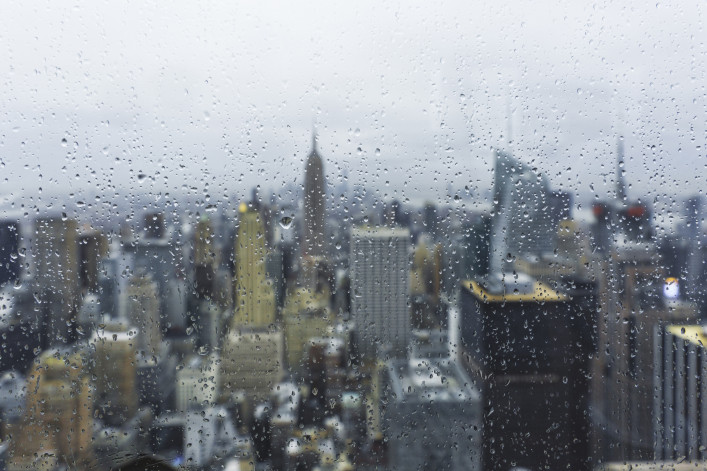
286, 222
63, 142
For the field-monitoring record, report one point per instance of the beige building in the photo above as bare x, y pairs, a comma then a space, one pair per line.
251, 361
305, 316
255, 297
114, 371
56, 274
58, 421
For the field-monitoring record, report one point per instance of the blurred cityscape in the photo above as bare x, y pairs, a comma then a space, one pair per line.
340, 331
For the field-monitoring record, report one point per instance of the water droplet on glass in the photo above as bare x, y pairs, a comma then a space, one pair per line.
63, 142
286, 222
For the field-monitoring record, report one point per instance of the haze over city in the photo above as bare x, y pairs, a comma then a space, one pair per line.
96, 95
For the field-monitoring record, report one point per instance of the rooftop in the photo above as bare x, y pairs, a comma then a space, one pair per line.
696, 334
526, 290
424, 380
379, 231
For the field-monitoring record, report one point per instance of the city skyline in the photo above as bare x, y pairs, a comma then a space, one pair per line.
432, 101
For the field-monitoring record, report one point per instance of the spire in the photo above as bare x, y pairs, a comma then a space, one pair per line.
620, 184
314, 138
509, 123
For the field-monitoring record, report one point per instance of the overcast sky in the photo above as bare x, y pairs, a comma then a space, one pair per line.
411, 93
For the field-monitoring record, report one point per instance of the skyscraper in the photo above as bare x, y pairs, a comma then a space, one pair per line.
57, 276
620, 191
93, 246
521, 345
9, 248
205, 258
631, 307
58, 420
314, 195
523, 222
143, 312
255, 298
380, 280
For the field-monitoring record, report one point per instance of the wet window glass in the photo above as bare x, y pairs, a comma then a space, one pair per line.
353, 236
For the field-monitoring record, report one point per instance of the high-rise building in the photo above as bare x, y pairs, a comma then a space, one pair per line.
114, 372
205, 258
680, 381
620, 194
143, 312
521, 344
432, 416
197, 383
9, 251
306, 315
159, 256
523, 218
58, 418
251, 361
255, 298
632, 306
380, 283
56, 265
430, 219
93, 246
314, 237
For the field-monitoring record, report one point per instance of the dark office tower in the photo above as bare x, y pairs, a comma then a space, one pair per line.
93, 246
154, 225
56, 264
522, 347
9, 248
620, 191
475, 248
314, 194
693, 216
430, 219
522, 224
603, 226
695, 271
205, 258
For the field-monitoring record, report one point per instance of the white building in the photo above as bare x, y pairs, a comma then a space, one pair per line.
380, 278
432, 416
197, 383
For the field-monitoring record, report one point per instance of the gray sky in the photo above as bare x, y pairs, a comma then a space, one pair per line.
412, 93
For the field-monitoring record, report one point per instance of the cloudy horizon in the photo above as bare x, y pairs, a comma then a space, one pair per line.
405, 99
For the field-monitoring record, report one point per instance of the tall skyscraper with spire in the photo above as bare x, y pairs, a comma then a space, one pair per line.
314, 194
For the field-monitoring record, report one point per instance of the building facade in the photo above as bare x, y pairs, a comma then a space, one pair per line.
380, 280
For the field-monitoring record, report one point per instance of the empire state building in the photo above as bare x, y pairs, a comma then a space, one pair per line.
314, 188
